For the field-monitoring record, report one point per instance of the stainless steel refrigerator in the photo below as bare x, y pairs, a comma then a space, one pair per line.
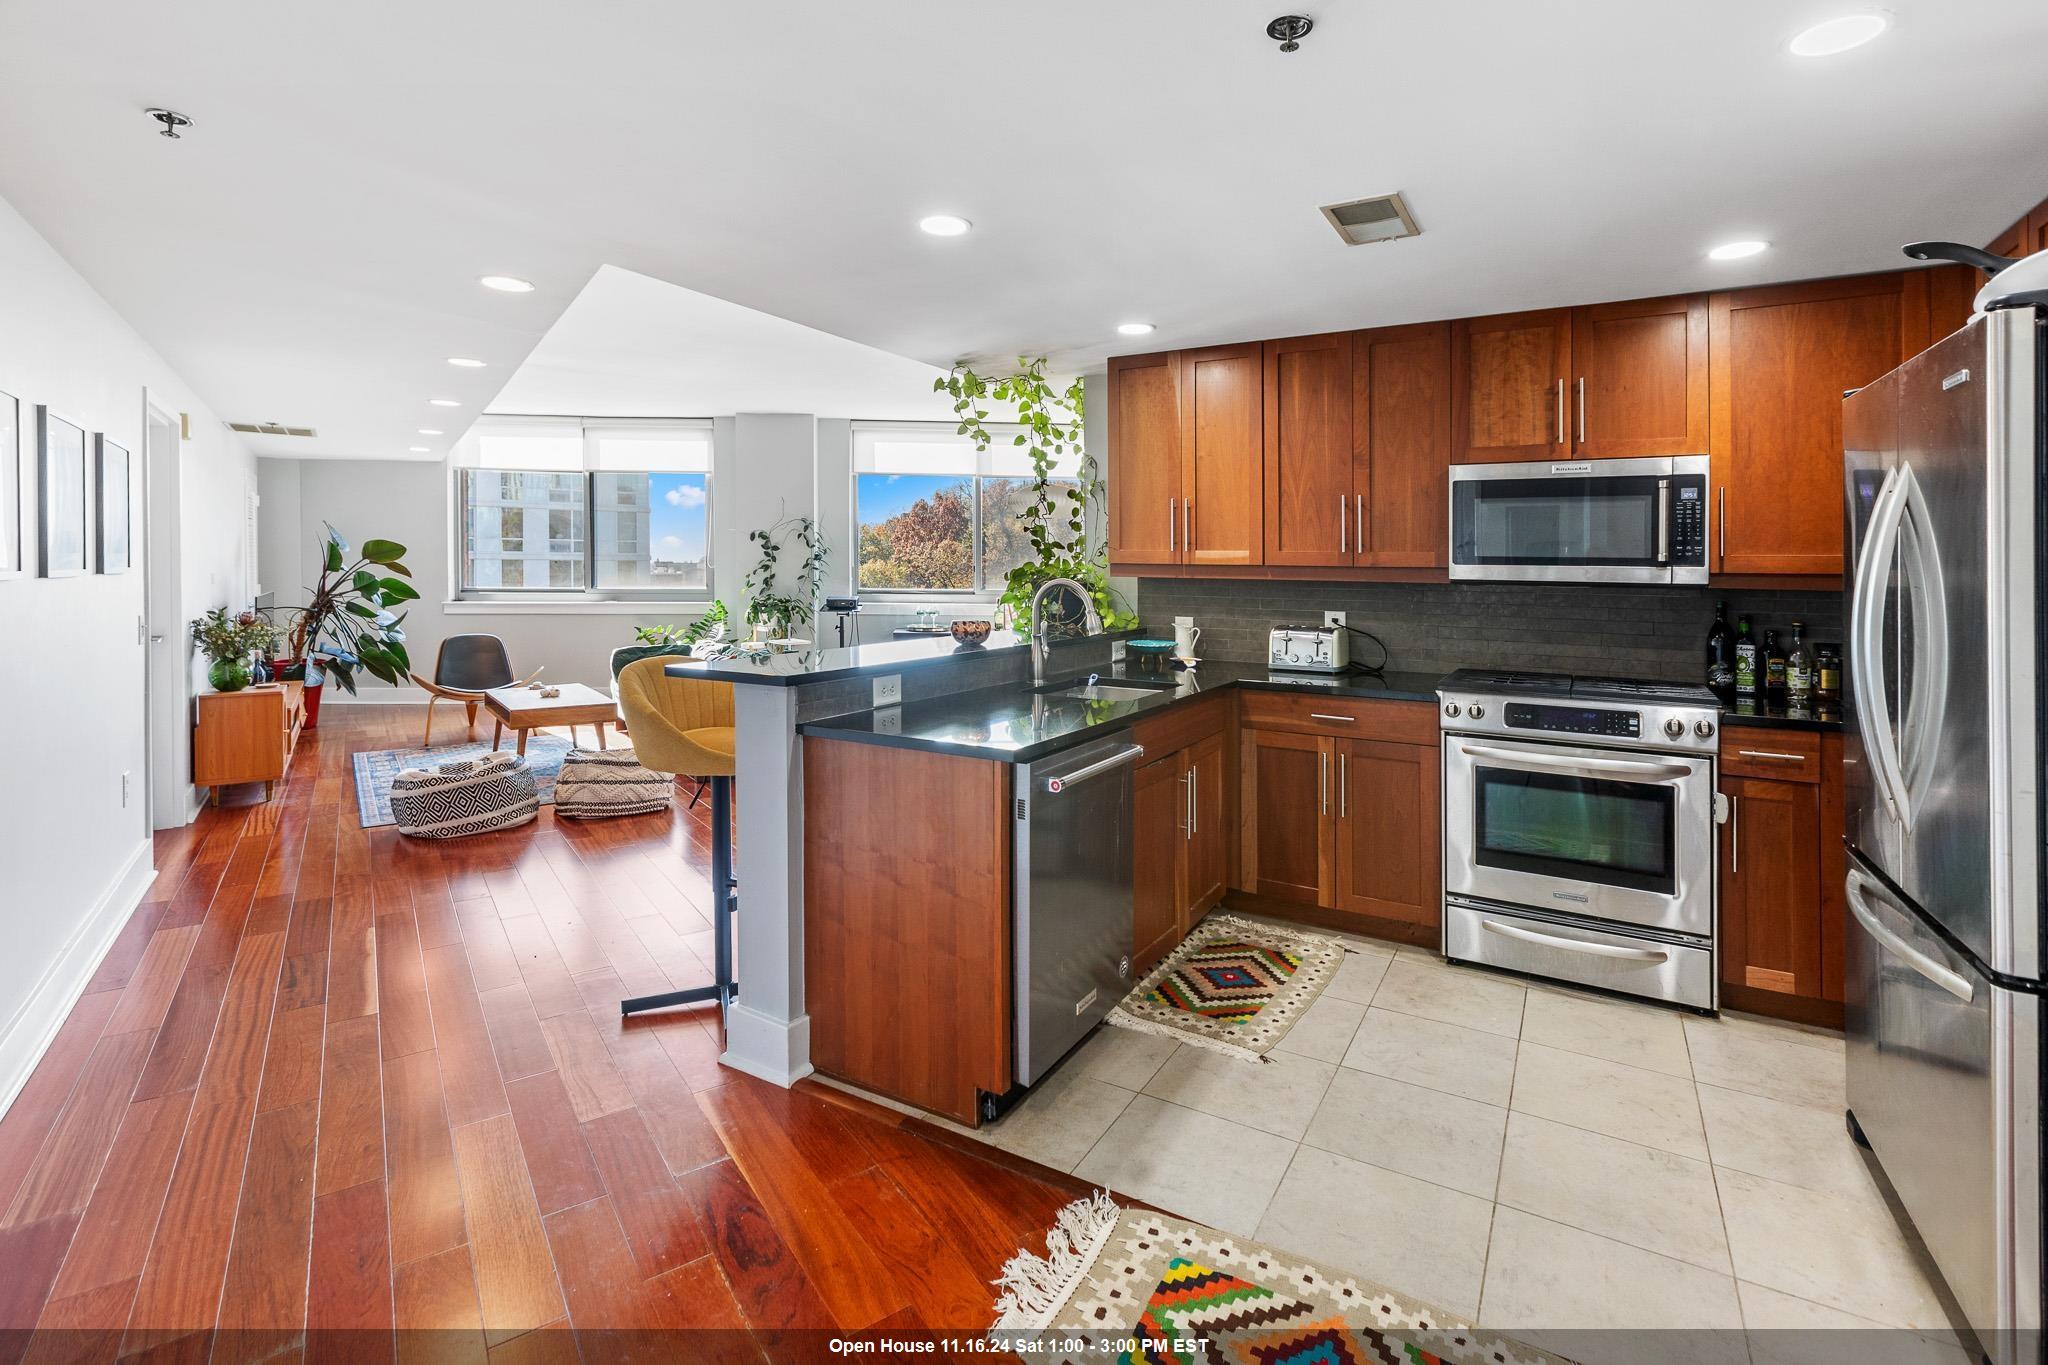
1943, 469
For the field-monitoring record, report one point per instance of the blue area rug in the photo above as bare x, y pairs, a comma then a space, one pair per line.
376, 768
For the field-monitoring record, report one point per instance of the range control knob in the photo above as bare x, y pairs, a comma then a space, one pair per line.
1476, 711
1674, 727
1451, 708
1703, 728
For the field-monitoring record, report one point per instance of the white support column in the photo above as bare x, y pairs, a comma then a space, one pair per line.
767, 1033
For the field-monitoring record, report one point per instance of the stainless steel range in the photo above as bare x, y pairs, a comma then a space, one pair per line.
1579, 830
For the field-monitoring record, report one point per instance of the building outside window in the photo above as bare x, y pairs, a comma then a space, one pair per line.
933, 515
605, 509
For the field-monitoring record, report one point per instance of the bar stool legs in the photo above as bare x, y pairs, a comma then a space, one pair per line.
725, 903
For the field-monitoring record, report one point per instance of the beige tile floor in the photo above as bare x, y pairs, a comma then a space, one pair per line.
1547, 1162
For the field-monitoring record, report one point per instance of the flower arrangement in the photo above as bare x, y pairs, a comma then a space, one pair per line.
229, 643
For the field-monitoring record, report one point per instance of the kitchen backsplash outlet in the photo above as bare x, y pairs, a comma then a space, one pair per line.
1637, 632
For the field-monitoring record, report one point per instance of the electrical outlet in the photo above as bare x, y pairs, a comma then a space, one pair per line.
889, 721
889, 689
124, 789
1116, 651
1334, 618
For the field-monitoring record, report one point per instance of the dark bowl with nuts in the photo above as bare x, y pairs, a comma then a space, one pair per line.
970, 634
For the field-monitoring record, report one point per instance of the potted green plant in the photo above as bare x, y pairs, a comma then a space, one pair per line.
230, 645
1055, 520
651, 641
766, 603
349, 624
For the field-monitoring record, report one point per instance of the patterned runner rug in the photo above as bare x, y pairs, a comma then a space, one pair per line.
375, 768
1117, 1284
1234, 986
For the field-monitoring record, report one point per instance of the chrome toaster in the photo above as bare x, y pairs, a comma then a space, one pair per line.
1309, 649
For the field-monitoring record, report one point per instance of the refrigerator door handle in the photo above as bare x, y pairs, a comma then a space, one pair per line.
1920, 574
1866, 641
1955, 983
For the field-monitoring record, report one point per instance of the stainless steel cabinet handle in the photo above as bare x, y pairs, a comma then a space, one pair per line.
1955, 983
1172, 513
1323, 783
1187, 534
1723, 552
1194, 802
1560, 412
1187, 802
1347, 720
1734, 834
1766, 753
1343, 510
1358, 520
1343, 786
1573, 945
1582, 409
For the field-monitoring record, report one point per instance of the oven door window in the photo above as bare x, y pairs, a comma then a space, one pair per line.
1565, 521
1587, 829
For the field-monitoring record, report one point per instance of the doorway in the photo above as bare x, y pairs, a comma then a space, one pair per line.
167, 671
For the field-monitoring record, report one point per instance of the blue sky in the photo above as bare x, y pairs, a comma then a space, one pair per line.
882, 496
678, 521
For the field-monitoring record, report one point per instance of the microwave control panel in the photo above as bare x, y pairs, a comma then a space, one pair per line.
1689, 520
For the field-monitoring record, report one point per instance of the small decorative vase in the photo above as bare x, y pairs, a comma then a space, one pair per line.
228, 675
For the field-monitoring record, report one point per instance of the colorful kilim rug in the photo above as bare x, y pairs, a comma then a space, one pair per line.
1234, 986
1145, 1289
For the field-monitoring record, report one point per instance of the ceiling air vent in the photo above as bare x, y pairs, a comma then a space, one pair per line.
1381, 218
269, 429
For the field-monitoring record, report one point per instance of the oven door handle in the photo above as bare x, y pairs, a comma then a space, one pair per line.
1601, 767
1574, 945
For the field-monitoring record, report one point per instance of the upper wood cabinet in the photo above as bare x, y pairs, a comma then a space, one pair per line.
1222, 437
1311, 497
1639, 379
1508, 387
1782, 356
1401, 446
1144, 459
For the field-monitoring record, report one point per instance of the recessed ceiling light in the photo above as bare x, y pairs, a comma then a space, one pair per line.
506, 284
1839, 35
419, 450
1735, 251
430, 431
944, 225
444, 402
1135, 329
463, 362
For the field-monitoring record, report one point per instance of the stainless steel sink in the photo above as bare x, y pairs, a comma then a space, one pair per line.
1108, 692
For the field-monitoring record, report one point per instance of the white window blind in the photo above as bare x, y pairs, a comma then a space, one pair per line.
884, 448
570, 445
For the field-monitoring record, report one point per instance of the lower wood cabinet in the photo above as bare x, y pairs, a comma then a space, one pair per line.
247, 736
1781, 935
1180, 861
1341, 807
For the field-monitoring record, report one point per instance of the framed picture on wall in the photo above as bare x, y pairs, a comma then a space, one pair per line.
110, 495
10, 486
62, 501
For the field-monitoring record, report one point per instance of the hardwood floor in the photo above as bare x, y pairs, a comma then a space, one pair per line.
339, 1094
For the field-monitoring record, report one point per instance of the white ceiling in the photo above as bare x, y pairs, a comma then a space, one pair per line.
308, 253
632, 346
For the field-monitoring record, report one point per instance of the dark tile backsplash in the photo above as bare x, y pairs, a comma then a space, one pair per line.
1654, 633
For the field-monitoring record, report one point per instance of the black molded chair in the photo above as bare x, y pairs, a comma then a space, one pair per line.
466, 667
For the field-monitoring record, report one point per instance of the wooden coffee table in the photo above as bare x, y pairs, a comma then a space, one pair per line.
522, 709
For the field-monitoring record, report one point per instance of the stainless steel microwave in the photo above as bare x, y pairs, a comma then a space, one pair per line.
1581, 521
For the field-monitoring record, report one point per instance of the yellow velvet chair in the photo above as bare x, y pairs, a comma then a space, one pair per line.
685, 726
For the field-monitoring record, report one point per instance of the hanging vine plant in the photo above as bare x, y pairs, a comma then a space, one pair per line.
1056, 519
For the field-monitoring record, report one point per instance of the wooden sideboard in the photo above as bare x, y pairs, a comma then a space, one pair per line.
247, 736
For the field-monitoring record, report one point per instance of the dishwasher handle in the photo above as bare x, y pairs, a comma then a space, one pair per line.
1056, 785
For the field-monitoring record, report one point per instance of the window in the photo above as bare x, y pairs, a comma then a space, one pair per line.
612, 509
933, 514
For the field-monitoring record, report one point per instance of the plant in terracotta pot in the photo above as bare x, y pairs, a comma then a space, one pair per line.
348, 624
230, 645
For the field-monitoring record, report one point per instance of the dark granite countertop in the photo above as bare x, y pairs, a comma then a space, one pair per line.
823, 665
1776, 715
1014, 724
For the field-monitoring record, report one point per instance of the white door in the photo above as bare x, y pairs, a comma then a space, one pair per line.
168, 677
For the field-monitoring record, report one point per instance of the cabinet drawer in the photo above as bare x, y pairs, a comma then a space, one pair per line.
1783, 755
1401, 722
1182, 725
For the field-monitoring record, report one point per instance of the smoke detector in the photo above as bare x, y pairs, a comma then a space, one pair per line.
1382, 218
171, 120
269, 429
1288, 31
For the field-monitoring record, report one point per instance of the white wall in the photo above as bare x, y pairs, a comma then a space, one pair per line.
73, 859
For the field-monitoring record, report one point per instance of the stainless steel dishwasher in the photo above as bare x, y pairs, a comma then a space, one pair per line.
1071, 923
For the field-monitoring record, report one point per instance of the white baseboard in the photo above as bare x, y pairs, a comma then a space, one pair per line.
775, 1050
27, 1035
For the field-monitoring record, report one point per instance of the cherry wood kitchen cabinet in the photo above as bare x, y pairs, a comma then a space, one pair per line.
1639, 379
1158, 859
1222, 438
1181, 814
1401, 446
1310, 489
1781, 357
1509, 374
1144, 459
1340, 806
